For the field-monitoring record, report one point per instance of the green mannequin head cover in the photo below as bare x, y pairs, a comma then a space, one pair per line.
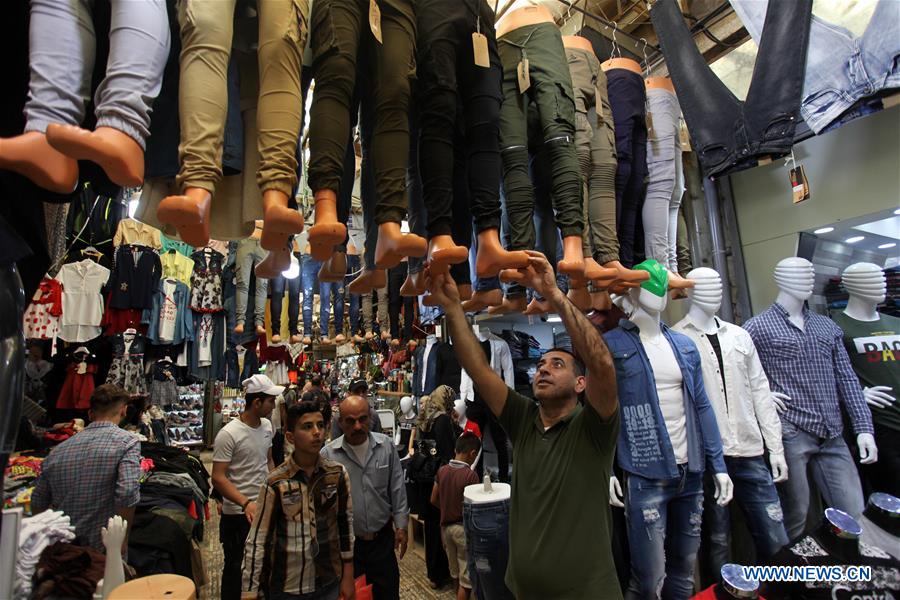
659, 277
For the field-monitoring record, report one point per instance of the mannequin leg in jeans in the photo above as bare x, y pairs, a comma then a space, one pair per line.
248, 255
353, 265
309, 267
61, 58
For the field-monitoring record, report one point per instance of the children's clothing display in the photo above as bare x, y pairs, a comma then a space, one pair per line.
134, 277
41, 319
82, 304
127, 368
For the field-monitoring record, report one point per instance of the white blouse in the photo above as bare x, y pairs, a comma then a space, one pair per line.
81, 300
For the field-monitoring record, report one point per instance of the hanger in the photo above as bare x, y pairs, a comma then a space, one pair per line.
92, 253
615, 48
646, 60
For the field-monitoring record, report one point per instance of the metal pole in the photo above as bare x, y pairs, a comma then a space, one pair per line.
720, 260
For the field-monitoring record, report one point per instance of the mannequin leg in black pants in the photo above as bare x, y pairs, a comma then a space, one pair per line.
12, 360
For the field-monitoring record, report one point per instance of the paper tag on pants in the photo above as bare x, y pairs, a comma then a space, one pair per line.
524, 76
649, 121
799, 184
375, 20
480, 47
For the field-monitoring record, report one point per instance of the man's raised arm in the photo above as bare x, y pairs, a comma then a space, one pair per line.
467, 347
600, 378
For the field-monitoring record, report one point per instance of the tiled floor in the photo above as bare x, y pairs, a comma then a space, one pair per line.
413, 581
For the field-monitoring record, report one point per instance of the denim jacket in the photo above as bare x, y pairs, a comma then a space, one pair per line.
184, 324
644, 447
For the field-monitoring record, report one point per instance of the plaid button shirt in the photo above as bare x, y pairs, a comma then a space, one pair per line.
303, 530
812, 367
90, 477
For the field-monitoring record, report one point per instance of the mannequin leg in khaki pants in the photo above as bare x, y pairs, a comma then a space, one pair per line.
207, 31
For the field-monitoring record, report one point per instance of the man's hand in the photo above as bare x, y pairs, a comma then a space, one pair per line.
348, 588
250, 512
442, 288
401, 539
539, 275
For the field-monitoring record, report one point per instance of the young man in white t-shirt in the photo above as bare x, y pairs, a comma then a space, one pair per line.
241, 461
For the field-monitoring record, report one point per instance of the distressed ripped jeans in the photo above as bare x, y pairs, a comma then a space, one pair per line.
487, 540
664, 518
755, 493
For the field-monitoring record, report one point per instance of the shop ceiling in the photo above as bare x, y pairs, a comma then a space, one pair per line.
626, 23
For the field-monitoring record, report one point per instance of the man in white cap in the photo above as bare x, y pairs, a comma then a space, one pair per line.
241, 461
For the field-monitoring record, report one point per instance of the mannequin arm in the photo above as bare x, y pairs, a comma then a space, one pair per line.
849, 388
868, 451
600, 372
879, 396
724, 489
467, 347
766, 414
615, 492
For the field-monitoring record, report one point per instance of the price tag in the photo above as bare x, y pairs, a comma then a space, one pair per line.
649, 120
524, 76
375, 20
684, 137
799, 184
82, 368
480, 47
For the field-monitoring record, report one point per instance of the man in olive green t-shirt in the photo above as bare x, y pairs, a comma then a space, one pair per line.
559, 538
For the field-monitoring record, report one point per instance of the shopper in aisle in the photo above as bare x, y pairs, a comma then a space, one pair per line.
241, 460
359, 388
379, 497
319, 490
90, 496
447, 495
559, 513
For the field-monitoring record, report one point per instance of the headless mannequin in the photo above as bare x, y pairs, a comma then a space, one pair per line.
646, 316
866, 284
573, 257
795, 278
706, 298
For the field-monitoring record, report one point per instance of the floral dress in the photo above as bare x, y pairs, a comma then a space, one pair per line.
206, 281
127, 368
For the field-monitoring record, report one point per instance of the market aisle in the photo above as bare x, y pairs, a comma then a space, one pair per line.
413, 580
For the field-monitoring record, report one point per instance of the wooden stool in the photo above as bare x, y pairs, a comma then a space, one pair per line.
156, 587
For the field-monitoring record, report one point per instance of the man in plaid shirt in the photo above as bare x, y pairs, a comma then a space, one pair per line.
95, 474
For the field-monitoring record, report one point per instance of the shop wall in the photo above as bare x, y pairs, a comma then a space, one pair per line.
852, 171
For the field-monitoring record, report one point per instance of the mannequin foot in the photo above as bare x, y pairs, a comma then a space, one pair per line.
368, 281
340, 338
414, 285
580, 297
327, 231
393, 245
601, 301
189, 213
511, 276
538, 307
274, 264
358, 339
326, 341
277, 217
443, 251
491, 257
677, 282
120, 157
306, 340
30, 155
573, 258
369, 336
260, 330
385, 335
334, 269
509, 306
465, 291
593, 271
629, 277
296, 339
482, 300
275, 338
239, 328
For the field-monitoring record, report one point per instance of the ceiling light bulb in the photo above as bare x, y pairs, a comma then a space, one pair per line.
855, 238
886, 246
823, 230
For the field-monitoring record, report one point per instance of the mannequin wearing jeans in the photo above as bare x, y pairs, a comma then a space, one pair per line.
309, 268
340, 33
746, 414
530, 34
279, 286
206, 38
872, 340
61, 58
249, 254
804, 358
668, 436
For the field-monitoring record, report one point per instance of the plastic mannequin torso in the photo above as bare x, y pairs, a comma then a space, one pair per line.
660, 83
623, 63
576, 41
522, 17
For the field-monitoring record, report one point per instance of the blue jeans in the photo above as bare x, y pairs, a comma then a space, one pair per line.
832, 470
664, 518
331, 294
309, 272
278, 286
487, 545
755, 493
353, 265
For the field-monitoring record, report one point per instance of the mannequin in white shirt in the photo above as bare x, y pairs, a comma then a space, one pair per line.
646, 316
795, 278
747, 418
866, 284
500, 359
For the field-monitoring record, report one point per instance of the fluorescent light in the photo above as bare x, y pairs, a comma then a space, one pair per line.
897, 211
855, 238
823, 230
554, 319
886, 246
